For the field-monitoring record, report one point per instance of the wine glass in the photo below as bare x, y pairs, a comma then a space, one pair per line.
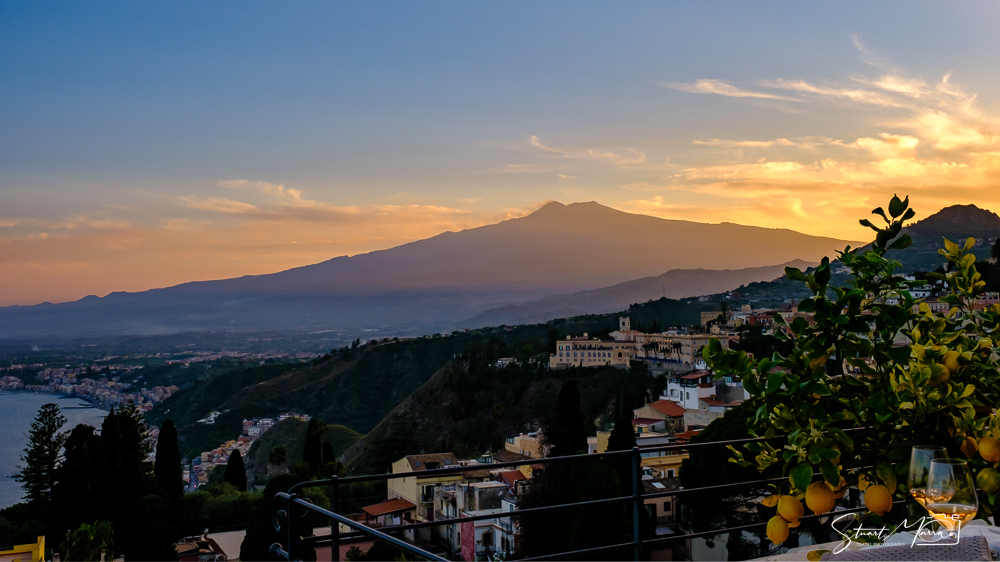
951, 494
920, 467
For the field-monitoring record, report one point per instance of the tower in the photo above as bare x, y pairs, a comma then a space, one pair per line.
624, 324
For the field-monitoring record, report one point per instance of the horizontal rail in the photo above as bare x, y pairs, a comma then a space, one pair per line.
637, 498
368, 530
456, 470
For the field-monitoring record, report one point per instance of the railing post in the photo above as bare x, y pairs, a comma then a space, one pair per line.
636, 501
334, 525
293, 536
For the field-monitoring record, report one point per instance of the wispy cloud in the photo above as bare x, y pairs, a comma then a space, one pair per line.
718, 87
624, 157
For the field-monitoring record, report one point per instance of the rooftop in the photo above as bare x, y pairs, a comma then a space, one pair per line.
388, 506
420, 462
667, 408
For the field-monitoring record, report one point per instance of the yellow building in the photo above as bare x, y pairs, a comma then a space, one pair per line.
664, 464
529, 444
417, 489
34, 552
591, 352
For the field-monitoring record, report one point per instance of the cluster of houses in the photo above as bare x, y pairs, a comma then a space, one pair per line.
197, 473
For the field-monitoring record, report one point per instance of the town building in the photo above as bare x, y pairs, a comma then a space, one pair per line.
586, 351
420, 490
530, 444
35, 552
667, 411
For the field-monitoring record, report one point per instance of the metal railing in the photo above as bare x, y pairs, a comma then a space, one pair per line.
290, 507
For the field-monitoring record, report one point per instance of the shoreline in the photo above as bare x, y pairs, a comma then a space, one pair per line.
92, 404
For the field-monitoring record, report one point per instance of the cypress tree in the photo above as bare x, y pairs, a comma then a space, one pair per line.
567, 432
167, 468
312, 451
76, 494
328, 454
41, 456
236, 472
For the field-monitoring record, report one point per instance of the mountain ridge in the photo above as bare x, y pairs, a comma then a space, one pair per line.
431, 284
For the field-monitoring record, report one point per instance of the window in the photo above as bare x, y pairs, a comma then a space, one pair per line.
574, 354
670, 474
666, 507
688, 395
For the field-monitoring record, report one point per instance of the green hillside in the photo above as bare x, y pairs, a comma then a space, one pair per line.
290, 434
358, 388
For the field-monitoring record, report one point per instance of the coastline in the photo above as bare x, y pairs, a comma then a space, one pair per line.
92, 404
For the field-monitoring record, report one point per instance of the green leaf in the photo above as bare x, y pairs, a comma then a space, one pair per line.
902, 242
868, 223
950, 247
897, 207
795, 274
774, 381
909, 214
969, 389
886, 474
828, 454
830, 473
878, 211
801, 475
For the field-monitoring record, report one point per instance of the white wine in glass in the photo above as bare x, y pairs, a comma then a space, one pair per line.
920, 467
951, 494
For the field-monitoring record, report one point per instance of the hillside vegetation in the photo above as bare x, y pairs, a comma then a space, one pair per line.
290, 434
358, 387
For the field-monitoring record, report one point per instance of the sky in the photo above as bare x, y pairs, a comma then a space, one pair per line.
145, 144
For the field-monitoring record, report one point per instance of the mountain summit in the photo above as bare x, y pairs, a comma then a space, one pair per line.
433, 284
964, 220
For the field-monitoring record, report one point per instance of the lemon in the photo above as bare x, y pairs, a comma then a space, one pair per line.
878, 500
989, 449
790, 508
988, 480
939, 373
777, 529
950, 361
841, 489
969, 446
820, 497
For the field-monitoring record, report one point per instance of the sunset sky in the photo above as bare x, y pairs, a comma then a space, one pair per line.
147, 144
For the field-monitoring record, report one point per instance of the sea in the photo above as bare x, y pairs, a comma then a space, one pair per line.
17, 411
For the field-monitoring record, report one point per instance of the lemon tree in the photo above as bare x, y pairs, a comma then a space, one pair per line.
872, 372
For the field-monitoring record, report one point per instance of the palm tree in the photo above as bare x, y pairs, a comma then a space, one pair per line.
89, 541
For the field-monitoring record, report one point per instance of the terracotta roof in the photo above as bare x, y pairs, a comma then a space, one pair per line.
483, 473
445, 460
668, 408
646, 421
687, 435
509, 456
694, 376
716, 402
388, 506
186, 547
511, 476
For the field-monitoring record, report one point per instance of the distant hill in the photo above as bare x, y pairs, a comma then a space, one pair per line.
674, 284
433, 284
956, 223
